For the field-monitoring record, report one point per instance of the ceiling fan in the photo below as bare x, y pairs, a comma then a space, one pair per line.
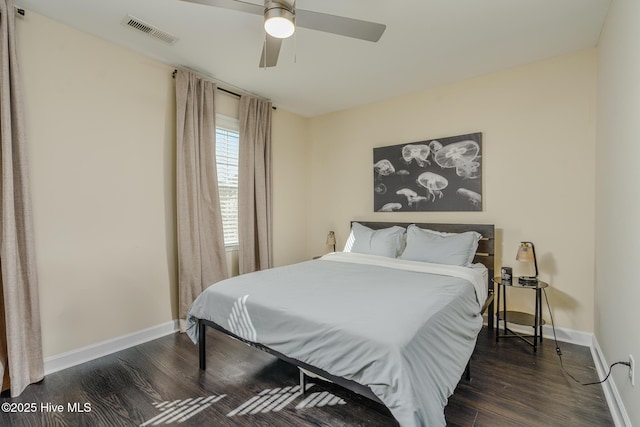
281, 18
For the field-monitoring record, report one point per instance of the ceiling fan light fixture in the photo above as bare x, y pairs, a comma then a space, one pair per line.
279, 22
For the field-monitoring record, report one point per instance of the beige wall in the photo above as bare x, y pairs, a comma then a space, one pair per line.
538, 159
101, 136
290, 187
100, 130
617, 206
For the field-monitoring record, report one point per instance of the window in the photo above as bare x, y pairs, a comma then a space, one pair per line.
227, 151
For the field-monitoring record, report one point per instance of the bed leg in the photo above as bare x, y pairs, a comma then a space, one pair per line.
303, 382
202, 344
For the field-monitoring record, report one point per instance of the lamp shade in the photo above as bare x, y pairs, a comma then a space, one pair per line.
527, 253
331, 238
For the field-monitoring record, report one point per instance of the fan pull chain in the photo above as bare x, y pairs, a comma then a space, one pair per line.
295, 40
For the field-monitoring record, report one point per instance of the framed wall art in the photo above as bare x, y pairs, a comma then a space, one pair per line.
443, 174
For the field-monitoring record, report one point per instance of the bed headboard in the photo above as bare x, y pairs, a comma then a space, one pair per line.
485, 252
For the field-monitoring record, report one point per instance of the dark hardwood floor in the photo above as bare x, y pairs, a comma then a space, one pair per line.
159, 383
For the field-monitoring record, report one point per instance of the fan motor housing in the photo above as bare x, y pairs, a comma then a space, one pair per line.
281, 4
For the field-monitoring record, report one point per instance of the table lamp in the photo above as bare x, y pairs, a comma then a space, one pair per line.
331, 240
527, 253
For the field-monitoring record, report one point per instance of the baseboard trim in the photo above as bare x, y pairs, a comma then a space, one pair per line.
616, 406
81, 355
570, 336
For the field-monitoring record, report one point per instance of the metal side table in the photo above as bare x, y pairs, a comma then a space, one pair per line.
534, 320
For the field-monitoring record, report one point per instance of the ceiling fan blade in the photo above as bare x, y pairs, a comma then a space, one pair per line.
238, 5
340, 25
270, 52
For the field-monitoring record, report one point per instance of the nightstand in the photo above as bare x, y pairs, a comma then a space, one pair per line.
534, 320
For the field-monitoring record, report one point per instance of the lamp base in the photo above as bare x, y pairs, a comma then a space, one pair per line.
528, 281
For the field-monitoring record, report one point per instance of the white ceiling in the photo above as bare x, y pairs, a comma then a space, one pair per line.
426, 43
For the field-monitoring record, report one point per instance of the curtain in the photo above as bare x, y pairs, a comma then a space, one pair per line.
201, 253
21, 360
254, 186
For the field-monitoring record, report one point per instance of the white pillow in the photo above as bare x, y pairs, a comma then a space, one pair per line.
440, 248
384, 242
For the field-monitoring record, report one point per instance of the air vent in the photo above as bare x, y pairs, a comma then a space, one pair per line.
148, 29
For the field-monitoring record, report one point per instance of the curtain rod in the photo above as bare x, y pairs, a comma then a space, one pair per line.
173, 75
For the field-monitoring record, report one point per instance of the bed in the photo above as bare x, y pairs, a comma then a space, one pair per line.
380, 319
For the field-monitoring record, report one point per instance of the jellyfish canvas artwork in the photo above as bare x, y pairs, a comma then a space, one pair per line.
442, 174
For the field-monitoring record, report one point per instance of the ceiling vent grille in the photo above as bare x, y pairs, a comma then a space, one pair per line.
148, 29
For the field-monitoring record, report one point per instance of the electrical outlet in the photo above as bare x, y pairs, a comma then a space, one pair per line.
632, 365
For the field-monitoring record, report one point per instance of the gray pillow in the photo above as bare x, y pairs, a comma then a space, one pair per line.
385, 242
440, 248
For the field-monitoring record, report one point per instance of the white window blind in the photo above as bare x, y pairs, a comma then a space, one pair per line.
227, 151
